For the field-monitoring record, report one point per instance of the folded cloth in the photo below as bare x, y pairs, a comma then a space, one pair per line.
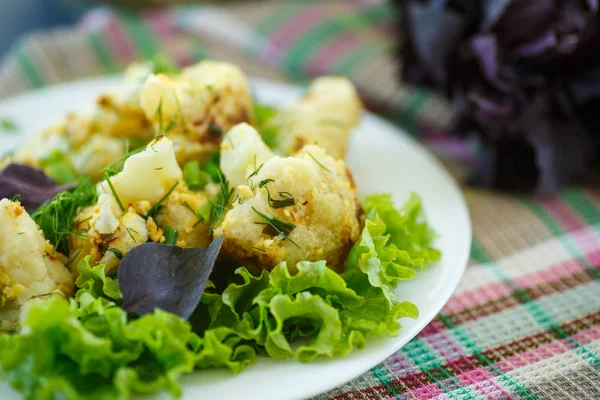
525, 319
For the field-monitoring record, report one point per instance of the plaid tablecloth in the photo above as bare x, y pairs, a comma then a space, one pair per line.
525, 320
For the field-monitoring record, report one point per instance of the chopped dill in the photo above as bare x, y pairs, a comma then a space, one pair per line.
256, 169
158, 169
259, 249
116, 166
221, 203
73, 258
318, 163
55, 217
286, 199
16, 197
116, 252
158, 206
159, 114
179, 108
129, 230
114, 192
274, 226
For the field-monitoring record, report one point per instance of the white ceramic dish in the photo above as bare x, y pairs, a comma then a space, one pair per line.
383, 159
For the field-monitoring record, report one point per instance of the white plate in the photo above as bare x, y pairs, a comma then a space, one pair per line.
383, 159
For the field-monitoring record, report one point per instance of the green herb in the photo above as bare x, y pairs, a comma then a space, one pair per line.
163, 64
52, 158
204, 212
55, 218
221, 203
21, 233
114, 192
179, 108
256, 170
195, 178
129, 230
158, 169
61, 172
158, 114
73, 258
170, 235
8, 125
318, 163
286, 199
262, 117
213, 168
259, 249
16, 197
274, 226
158, 206
2, 301
117, 166
116, 252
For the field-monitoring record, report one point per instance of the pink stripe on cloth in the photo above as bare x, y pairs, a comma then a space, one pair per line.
477, 296
162, 24
548, 350
275, 46
483, 381
324, 60
560, 211
549, 275
119, 40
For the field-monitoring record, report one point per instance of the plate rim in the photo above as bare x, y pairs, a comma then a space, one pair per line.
255, 82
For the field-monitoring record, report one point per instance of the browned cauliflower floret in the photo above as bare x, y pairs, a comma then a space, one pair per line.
325, 116
198, 106
29, 266
309, 196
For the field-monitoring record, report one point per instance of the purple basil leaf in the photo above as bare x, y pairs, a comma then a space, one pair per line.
156, 275
31, 184
435, 33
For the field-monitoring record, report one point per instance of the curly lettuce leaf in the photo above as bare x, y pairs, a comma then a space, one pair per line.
407, 228
89, 349
94, 281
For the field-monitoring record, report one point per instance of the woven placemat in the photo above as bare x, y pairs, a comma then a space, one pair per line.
525, 320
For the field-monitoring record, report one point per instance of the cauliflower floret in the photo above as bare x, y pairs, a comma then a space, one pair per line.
202, 103
177, 213
29, 266
148, 175
132, 232
52, 139
325, 116
322, 222
242, 152
96, 154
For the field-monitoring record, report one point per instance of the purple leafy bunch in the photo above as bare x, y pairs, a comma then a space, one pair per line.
522, 75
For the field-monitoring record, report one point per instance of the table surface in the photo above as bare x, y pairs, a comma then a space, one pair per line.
525, 320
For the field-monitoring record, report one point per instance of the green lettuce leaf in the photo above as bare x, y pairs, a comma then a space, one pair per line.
407, 227
89, 349
94, 281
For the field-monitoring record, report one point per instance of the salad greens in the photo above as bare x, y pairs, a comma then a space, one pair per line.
90, 348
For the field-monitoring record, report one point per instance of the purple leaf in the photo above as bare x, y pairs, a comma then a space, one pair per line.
156, 275
31, 184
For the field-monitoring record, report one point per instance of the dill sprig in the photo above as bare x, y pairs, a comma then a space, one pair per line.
171, 235
114, 192
115, 167
158, 206
116, 252
221, 203
286, 199
274, 226
55, 217
318, 163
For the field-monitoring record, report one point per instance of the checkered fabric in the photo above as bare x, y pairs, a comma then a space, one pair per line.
525, 320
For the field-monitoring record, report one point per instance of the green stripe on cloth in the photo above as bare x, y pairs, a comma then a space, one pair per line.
278, 17
29, 69
103, 53
143, 38
407, 117
301, 51
347, 64
582, 205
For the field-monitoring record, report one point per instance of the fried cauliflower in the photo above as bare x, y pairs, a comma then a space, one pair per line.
198, 106
300, 208
147, 179
29, 266
325, 116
